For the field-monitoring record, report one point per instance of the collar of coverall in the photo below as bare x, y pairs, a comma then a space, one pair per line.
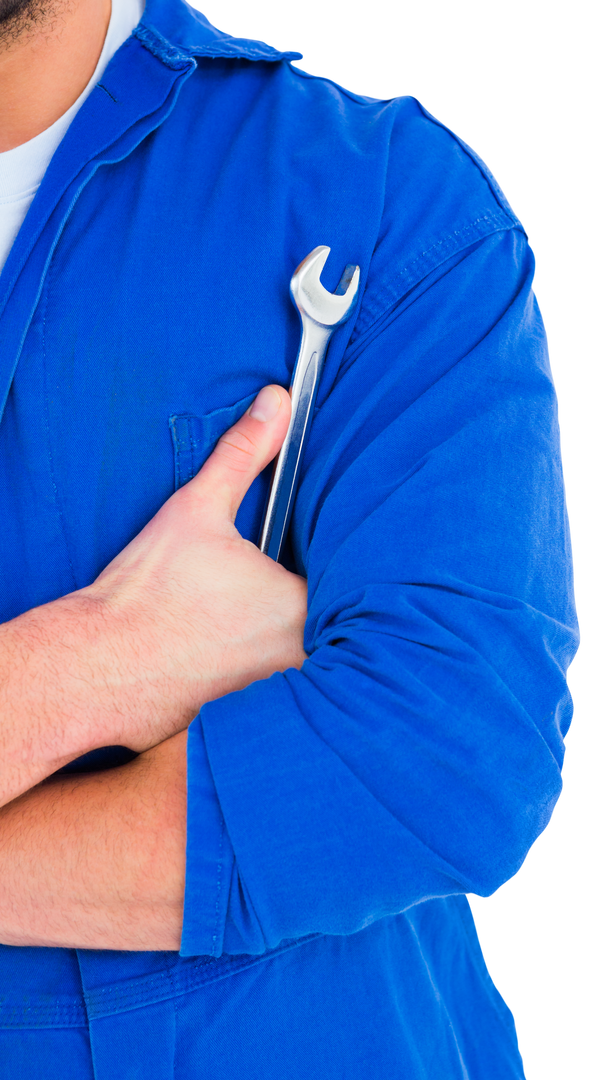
175, 32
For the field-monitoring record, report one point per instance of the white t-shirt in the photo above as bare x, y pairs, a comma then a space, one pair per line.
22, 168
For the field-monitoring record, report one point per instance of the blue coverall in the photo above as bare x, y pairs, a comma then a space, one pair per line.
337, 815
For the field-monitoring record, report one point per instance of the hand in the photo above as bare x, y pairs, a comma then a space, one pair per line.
193, 610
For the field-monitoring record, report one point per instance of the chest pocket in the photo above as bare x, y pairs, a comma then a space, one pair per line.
194, 437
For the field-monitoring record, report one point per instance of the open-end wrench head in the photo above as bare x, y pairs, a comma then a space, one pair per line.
312, 298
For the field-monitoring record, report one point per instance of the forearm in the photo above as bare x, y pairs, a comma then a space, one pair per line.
98, 860
86, 671
49, 692
67, 686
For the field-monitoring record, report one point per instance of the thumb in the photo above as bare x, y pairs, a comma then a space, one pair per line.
243, 451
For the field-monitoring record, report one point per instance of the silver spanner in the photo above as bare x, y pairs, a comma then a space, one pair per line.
321, 313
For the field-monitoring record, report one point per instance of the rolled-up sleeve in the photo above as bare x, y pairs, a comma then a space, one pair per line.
417, 753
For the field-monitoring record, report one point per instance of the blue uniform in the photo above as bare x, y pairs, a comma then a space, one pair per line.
337, 815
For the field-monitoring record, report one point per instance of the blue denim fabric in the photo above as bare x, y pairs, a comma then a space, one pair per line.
338, 814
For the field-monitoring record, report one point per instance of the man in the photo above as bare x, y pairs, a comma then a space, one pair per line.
231, 847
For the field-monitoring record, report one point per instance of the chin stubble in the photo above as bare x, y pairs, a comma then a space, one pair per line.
20, 18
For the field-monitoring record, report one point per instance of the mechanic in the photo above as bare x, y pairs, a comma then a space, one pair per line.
243, 803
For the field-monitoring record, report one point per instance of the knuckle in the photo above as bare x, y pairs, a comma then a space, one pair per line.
237, 450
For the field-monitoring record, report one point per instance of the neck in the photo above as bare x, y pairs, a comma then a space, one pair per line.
45, 66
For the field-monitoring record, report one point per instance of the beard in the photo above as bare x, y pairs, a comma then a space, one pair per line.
25, 17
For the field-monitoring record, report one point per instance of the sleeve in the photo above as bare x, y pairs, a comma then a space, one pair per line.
417, 753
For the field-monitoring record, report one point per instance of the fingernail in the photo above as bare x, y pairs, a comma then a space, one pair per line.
266, 404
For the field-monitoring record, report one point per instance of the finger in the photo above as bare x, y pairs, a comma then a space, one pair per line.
243, 451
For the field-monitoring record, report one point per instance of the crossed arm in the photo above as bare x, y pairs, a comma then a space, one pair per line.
186, 613
98, 860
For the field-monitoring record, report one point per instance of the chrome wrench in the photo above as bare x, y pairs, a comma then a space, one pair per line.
321, 312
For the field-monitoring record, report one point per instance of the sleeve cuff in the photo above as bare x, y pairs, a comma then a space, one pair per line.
209, 855
218, 915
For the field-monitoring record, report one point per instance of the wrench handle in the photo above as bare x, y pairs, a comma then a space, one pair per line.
303, 391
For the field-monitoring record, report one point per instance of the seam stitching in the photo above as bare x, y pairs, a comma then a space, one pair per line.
374, 310
217, 912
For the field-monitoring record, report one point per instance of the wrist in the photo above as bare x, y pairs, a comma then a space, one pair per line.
145, 689
56, 701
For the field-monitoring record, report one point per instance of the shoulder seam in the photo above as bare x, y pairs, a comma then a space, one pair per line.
481, 226
426, 261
